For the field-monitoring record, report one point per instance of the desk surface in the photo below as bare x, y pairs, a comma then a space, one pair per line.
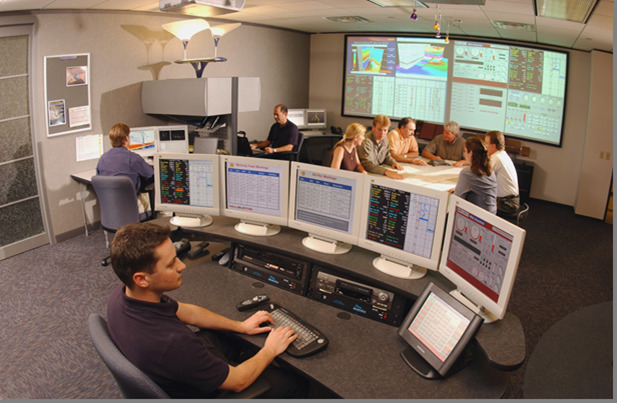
362, 360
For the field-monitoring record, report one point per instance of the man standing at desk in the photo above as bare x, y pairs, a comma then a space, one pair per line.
120, 161
375, 150
447, 146
283, 134
508, 200
403, 144
150, 328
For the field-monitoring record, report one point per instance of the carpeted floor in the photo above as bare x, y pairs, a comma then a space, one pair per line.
45, 349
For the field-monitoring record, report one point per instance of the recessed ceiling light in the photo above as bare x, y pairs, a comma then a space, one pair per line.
513, 25
347, 19
571, 10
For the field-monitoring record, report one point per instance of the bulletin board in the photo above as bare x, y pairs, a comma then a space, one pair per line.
67, 94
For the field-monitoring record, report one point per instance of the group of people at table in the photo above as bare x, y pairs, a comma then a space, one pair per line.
488, 178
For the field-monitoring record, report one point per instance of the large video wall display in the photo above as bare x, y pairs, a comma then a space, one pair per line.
482, 86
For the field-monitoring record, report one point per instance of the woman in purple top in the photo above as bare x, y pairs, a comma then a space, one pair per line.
345, 155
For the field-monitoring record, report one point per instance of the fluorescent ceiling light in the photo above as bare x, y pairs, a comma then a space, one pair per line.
399, 3
347, 19
571, 10
518, 26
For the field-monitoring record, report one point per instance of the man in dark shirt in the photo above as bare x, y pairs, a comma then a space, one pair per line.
150, 328
120, 161
283, 134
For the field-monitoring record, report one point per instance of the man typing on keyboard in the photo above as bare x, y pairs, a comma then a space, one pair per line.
150, 328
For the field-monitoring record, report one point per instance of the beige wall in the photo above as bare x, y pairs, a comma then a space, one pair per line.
127, 48
557, 169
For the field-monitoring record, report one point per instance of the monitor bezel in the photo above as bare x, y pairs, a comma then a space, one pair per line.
146, 152
430, 263
256, 217
185, 142
321, 125
328, 233
215, 210
469, 291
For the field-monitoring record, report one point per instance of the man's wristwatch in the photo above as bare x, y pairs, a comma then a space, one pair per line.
274, 150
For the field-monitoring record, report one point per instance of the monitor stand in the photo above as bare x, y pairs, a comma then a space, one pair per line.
488, 317
257, 229
398, 269
324, 245
191, 221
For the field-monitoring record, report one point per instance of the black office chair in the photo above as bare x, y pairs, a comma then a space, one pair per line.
518, 216
133, 382
118, 203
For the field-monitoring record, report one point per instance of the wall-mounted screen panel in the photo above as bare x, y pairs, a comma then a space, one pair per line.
482, 86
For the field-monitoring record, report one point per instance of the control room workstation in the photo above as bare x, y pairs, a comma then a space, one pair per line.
428, 273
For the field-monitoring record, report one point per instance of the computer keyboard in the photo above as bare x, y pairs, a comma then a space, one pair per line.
309, 341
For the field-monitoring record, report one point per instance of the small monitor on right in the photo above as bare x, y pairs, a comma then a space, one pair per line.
316, 118
480, 256
298, 117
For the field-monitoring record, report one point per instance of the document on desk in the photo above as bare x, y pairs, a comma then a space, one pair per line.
440, 177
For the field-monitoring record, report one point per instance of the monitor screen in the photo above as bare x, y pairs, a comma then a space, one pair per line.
188, 185
142, 140
316, 118
173, 139
298, 117
480, 256
437, 329
325, 202
404, 223
256, 190
483, 86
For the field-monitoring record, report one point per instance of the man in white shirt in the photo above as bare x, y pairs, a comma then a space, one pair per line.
508, 200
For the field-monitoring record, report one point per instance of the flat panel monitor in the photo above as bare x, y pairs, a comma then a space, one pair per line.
404, 223
437, 329
316, 118
326, 203
142, 140
518, 90
298, 117
481, 253
187, 185
256, 190
173, 139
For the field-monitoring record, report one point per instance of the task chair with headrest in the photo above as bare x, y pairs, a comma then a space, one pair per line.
133, 382
118, 204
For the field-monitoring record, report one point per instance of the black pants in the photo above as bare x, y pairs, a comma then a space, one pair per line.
283, 382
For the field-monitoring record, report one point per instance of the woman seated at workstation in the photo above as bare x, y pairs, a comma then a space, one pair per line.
476, 182
344, 154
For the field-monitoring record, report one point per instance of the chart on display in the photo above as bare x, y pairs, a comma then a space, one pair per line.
482, 86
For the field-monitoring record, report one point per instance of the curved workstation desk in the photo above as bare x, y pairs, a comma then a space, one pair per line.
362, 359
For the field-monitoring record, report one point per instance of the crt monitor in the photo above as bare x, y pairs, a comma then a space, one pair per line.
187, 185
173, 139
326, 202
316, 118
255, 190
142, 140
480, 257
404, 223
298, 117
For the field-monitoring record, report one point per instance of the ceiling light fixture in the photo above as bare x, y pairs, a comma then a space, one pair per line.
218, 32
578, 10
185, 29
414, 16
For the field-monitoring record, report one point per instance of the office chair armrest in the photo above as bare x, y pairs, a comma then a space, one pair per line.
257, 389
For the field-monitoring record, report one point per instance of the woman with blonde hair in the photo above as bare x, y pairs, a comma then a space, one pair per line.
344, 154
476, 182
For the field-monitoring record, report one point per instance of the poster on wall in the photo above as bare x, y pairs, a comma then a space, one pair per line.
67, 93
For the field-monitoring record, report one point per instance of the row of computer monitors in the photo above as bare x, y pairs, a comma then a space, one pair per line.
413, 228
